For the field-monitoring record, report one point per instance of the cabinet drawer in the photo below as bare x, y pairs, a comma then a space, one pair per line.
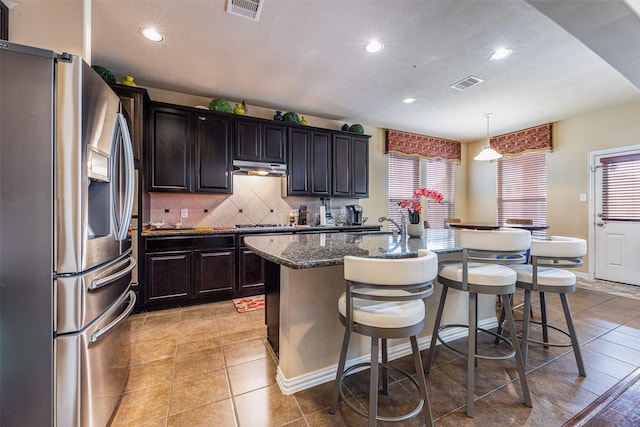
182, 243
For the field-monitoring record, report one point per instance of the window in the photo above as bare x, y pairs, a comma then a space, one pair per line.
621, 188
522, 188
408, 173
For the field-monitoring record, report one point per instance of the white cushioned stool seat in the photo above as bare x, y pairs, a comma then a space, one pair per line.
383, 314
384, 299
547, 276
559, 247
480, 274
395, 271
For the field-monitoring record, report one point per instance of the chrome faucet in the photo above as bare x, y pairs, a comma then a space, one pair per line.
402, 228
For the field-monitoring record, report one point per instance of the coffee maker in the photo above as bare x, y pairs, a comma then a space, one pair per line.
354, 214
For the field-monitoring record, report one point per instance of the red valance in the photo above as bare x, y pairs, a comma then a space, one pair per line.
427, 147
537, 138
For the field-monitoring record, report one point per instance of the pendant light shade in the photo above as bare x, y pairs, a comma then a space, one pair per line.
487, 153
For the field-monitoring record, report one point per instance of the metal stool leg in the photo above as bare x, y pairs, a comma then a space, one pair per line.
471, 352
343, 360
373, 384
525, 327
417, 361
519, 364
385, 371
573, 334
543, 317
434, 336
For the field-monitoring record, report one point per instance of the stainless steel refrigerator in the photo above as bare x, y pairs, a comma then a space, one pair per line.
66, 193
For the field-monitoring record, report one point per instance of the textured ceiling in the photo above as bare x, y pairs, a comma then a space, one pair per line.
307, 56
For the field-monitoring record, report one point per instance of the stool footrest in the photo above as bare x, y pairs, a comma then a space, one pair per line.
364, 413
477, 356
549, 343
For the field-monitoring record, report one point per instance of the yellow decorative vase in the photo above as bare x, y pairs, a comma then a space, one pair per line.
239, 110
128, 81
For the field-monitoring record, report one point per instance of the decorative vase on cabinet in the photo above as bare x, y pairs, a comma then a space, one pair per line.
415, 230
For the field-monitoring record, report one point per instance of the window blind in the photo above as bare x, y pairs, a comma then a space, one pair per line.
522, 188
621, 188
440, 178
405, 175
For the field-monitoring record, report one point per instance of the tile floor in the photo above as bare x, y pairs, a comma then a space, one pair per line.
210, 366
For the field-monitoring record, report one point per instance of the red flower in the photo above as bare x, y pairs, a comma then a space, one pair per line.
414, 207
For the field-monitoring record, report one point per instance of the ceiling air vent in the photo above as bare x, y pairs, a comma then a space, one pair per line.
466, 83
247, 8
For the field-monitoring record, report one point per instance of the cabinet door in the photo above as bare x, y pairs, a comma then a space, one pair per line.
247, 144
170, 149
298, 162
134, 102
213, 154
215, 271
251, 270
320, 164
274, 143
360, 166
168, 276
342, 160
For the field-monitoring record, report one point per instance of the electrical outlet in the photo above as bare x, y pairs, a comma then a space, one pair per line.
184, 213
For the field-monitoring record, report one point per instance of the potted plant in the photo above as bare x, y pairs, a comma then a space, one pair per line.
414, 209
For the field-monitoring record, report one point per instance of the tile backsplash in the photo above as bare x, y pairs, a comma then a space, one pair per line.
255, 200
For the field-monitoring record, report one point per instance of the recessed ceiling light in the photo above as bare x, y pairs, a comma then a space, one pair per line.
373, 46
152, 34
409, 100
501, 53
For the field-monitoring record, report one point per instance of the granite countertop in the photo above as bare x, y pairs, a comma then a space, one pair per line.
285, 229
299, 251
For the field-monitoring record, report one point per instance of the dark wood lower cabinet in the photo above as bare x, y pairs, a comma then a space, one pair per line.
250, 270
215, 272
168, 275
188, 270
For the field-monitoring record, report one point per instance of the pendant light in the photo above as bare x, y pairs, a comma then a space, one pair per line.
487, 153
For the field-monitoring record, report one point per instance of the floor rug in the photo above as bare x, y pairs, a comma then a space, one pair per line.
611, 288
245, 304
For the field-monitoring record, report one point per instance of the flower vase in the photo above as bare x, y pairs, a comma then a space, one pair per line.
415, 230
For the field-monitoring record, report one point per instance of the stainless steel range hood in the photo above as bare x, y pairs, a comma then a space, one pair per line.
242, 167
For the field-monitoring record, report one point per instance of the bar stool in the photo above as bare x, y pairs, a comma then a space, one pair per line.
481, 272
384, 299
546, 274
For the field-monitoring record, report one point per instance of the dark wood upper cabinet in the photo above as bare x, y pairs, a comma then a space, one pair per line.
342, 160
134, 103
298, 162
213, 154
309, 162
360, 166
4, 21
189, 150
170, 134
350, 166
260, 141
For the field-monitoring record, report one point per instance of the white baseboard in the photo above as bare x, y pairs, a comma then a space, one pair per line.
321, 376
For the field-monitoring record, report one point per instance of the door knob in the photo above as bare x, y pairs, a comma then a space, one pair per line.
600, 224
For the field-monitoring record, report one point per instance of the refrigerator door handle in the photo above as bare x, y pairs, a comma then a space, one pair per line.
98, 283
102, 332
122, 223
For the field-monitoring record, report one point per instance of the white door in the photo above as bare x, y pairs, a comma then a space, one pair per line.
616, 252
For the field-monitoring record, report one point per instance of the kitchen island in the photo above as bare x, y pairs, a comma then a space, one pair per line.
304, 278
